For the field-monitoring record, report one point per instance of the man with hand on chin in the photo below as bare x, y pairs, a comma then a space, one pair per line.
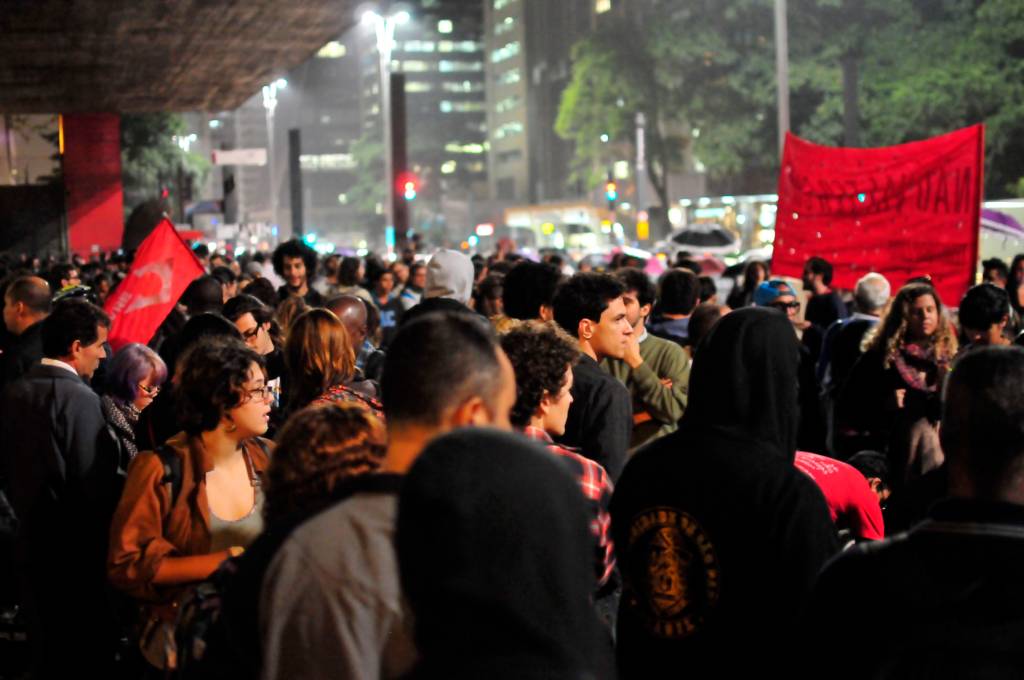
655, 370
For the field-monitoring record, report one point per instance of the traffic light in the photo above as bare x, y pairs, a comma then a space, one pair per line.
611, 192
408, 186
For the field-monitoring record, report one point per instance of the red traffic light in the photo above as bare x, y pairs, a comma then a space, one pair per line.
408, 185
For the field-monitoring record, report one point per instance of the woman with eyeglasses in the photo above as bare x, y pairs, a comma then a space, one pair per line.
198, 499
134, 378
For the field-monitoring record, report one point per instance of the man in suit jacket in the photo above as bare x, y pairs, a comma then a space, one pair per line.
60, 473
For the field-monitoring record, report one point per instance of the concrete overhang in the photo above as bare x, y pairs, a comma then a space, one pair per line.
131, 56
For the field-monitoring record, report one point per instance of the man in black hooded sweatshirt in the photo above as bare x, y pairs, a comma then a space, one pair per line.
718, 537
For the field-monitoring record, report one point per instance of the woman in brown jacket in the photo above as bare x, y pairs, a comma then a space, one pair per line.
160, 544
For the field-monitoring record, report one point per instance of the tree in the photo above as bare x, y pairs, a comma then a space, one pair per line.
872, 72
369, 193
151, 160
613, 78
964, 66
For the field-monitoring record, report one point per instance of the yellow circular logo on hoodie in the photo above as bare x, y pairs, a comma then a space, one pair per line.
672, 579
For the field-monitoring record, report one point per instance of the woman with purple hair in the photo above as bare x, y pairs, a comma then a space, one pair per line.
134, 378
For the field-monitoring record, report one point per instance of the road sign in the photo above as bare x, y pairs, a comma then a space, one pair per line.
240, 157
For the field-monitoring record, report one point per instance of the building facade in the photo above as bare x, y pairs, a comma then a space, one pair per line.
529, 48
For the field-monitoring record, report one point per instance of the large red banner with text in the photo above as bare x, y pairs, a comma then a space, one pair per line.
162, 269
903, 211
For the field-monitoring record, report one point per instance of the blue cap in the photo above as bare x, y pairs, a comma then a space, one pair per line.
769, 291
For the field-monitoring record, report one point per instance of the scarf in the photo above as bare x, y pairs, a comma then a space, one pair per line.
919, 367
123, 418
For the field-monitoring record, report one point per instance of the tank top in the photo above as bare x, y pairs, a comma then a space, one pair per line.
241, 532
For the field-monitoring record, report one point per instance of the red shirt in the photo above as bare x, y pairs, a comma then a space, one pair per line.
597, 488
850, 500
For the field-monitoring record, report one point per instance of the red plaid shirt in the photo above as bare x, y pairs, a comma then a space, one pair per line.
597, 488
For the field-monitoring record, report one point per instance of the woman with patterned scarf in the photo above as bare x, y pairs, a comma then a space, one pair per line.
893, 396
134, 378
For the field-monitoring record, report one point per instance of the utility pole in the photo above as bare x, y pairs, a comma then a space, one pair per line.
782, 70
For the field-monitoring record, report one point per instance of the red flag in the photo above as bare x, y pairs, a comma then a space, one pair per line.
902, 211
162, 270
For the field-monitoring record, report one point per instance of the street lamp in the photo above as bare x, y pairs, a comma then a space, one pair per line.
782, 71
269, 105
384, 29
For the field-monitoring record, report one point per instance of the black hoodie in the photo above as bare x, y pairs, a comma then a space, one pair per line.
496, 562
718, 537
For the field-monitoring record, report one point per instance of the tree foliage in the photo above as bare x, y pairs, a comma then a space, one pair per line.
151, 159
704, 71
369, 192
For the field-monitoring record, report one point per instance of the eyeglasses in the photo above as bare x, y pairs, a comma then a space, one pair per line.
150, 390
262, 393
785, 305
251, 333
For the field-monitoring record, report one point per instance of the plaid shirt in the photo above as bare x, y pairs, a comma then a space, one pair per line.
597, 488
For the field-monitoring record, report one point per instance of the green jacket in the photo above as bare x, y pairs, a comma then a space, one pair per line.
663, 360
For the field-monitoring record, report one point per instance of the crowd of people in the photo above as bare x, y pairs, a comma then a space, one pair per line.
462, 467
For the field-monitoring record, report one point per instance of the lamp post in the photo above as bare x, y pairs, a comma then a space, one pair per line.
782, 70
269, 105
384, 30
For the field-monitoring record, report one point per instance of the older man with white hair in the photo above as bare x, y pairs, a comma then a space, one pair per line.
841, 346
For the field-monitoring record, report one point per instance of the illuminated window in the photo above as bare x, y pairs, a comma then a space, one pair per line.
504, 52
508, 130
456, 147
463, 86
507, 104
412, 66
459, 46
509, 77
601, 6
453, 66
502, 4
460, 107
332, 50
418, 86
419, 46
477, 167
448, 167
504, 26
444, 26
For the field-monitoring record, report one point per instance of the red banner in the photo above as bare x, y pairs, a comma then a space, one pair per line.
903, 211
162, 270
92, 178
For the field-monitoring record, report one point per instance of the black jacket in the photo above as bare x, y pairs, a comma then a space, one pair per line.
718, 537
601, 416
24, 353
60, 467
945, 600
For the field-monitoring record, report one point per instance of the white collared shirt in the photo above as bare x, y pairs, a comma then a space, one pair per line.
46, 361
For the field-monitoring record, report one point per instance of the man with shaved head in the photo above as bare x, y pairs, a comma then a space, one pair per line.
26, 304
352, 312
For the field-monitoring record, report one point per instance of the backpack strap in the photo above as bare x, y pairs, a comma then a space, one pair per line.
172, 471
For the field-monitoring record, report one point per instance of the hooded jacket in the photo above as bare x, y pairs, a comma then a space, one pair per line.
496, 562
718, 537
